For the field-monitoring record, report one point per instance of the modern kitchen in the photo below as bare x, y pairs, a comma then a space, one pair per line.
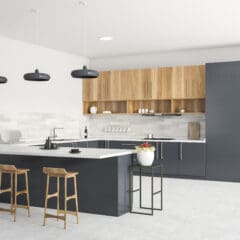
119, 120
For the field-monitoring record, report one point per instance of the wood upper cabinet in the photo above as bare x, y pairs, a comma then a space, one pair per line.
131, 88
90, 90
154, 83
104, 86
188, 82
195, 79
162, 83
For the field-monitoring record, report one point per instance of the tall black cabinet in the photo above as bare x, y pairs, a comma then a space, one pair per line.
223, 121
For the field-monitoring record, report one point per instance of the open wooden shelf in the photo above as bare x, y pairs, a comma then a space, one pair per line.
189, 105
158, 106
113, 106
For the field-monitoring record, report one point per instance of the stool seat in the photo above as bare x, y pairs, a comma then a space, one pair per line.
13, 189
60, 173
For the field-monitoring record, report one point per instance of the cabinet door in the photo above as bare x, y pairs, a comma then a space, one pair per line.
162, 83
188, 82
90, 89
92, 144
222, 121
192, 159
117, 91
194, 77
131, 87
124, 144
103, 86
179, 85
145, 81
170, 158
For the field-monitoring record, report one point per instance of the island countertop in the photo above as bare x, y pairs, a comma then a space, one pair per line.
63, 152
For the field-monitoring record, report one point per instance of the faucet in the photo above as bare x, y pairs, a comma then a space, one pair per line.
54, 133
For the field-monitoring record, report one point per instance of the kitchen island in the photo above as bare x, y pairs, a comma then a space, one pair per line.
102, 183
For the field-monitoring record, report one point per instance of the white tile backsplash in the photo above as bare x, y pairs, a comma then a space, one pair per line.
139, 126
36, 125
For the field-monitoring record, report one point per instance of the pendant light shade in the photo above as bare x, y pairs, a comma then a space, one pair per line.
84, 73
3, 80
36, 76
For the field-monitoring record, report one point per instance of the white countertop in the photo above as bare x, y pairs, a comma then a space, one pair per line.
114, 139
63, 152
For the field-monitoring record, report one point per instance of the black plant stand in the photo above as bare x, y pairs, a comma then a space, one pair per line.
141, 170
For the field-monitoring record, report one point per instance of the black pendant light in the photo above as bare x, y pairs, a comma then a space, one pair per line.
36, 76
84, 73
3, 80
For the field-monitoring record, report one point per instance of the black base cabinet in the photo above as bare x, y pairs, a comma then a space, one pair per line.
169, 158
178, 159
183, 159
192, 159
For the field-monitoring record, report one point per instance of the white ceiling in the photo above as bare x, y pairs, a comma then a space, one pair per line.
137, 26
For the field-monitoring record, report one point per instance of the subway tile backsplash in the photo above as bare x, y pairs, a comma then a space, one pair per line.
139, 126
38, 125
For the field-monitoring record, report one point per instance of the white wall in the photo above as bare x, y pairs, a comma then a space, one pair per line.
34, 107
61, 93
173, 58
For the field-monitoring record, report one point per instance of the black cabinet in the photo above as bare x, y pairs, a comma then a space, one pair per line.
84, 144
182, 159
223, 121
169, 157
124, 144
192, 158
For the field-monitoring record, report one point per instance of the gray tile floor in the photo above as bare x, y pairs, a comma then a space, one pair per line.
193, 210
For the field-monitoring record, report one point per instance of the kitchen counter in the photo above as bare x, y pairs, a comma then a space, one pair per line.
63, 152
102, 183
113, 139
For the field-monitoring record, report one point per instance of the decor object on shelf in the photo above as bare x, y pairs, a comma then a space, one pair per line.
93, 109
84, 72
36, 76
3, 79
145, 154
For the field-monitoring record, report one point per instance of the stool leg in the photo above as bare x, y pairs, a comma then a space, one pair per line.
76, 197
0, 180
46, 199
65, 202
28, 200
57, 197
15, 196
11, 184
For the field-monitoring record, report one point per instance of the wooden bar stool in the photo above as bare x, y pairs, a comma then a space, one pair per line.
13, 189
60, 173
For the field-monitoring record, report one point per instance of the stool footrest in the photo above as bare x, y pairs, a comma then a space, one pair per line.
6, 210
68, 212
71, 197
48, 215
5, 190
21, 192
21, 206
52, 195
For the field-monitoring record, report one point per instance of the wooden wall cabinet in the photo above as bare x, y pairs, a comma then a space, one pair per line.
188, 82
162, 83
165, 90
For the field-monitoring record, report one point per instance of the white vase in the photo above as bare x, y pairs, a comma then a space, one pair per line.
145, 157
